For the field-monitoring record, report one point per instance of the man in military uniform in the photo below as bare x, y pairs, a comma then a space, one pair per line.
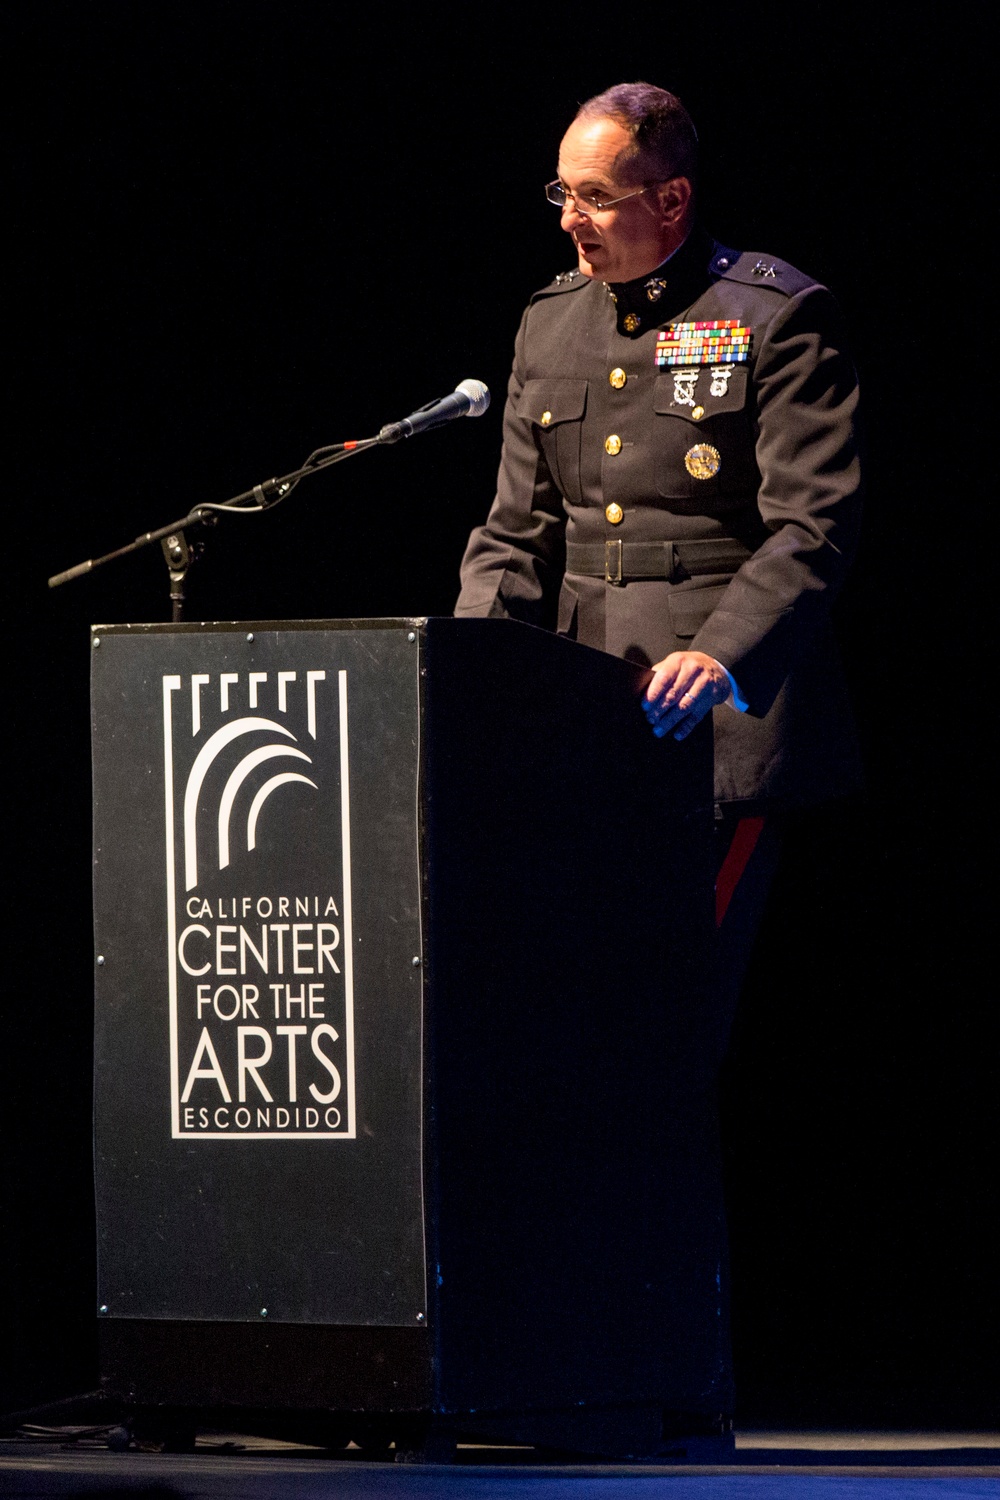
679, 486
679, 483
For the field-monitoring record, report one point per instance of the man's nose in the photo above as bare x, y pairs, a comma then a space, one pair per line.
571, 215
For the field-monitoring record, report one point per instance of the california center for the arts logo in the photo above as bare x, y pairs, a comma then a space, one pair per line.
259, 926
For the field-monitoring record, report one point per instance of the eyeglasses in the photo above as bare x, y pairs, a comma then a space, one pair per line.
586, 203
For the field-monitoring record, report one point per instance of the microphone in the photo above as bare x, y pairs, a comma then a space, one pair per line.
469, 399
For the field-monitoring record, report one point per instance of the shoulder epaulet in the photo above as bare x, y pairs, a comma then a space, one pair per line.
566, 281
767, 271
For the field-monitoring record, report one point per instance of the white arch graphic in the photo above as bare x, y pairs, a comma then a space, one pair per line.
262, 796
211, 748
247, 764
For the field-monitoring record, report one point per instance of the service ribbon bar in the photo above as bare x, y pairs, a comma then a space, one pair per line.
724, 342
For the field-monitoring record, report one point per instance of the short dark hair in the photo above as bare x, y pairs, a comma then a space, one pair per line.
664, 140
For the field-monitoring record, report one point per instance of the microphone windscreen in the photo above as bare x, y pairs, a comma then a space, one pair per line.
477, 393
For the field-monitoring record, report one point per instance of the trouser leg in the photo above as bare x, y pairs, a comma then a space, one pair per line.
748, 850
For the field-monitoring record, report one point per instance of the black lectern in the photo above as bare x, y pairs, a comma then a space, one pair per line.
405, 1053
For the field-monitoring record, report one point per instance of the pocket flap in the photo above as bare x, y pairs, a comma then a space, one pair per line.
548, 402
690, 608
715, 388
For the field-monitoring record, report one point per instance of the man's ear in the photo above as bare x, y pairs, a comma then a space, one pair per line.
674, 198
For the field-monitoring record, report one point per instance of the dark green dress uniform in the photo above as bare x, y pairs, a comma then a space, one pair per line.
645, 507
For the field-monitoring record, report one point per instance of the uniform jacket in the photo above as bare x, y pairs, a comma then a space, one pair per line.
748, 481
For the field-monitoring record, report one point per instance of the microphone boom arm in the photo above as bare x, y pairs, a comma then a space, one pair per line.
470, 398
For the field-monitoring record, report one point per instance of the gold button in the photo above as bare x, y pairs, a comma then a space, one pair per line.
613, 444
546, 418
632, 321
614, 514
698, 413
618, 378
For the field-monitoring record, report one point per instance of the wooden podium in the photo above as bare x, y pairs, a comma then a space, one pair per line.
405, 1049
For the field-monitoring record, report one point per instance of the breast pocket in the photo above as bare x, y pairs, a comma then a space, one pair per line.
555, 409
703, 436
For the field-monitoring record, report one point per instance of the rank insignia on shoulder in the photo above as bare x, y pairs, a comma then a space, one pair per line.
722, 342
763, 269
566, 276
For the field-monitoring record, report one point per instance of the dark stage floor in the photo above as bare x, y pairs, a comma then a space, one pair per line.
824, 1465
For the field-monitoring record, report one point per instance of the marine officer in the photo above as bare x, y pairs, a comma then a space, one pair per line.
679, 482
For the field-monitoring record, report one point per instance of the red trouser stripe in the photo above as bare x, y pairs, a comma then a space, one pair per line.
748, 831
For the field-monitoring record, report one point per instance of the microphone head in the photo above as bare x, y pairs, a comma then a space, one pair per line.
477, 393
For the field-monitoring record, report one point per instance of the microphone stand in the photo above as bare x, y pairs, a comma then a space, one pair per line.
179, 554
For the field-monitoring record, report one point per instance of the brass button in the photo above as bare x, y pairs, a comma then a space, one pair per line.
546, 418
614, 514
632, 321
698, 413
613, 444
617, 378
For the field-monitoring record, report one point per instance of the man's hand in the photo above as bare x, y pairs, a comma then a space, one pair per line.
684, 687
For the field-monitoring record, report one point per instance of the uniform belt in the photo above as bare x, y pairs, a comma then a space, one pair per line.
619, 562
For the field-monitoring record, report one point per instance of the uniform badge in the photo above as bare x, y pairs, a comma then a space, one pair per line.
723, 342
703, 461
721, 376
684, 384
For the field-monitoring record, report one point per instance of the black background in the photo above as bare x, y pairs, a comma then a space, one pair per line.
243, 230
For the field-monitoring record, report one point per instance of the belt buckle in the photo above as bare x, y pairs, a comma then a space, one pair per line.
613, 561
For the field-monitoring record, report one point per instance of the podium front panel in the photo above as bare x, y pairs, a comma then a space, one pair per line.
258, 984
